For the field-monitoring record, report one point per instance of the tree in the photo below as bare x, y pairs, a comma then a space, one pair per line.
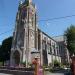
70, 35
5, 49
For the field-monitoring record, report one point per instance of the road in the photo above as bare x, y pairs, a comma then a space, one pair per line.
47, 74
62, 72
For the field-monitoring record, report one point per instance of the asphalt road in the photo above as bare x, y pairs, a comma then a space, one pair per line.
47, 74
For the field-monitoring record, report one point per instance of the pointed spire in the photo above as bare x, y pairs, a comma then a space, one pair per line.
30, 1
27, 2
20, 2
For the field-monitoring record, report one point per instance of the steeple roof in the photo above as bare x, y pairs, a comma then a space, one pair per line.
25, 3
29, 1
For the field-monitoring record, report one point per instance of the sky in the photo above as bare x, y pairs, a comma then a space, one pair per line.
46, 9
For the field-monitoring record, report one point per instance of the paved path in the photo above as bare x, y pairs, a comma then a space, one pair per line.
4, 74
48, 73
60, 72
55, 74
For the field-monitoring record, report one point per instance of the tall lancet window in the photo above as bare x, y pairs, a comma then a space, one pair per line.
24, 13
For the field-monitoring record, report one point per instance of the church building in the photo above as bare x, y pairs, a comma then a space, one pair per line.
29, 41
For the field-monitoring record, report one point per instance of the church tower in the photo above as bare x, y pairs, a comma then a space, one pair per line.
25, 34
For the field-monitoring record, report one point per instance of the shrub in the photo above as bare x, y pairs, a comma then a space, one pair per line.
23, 63
56, 63
50, 65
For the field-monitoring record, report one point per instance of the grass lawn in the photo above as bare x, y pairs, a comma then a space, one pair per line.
1, 63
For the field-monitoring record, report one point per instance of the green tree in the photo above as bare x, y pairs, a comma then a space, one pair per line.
5, 49
70, 35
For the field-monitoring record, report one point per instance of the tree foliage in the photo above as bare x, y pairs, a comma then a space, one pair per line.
5, 49
70, 35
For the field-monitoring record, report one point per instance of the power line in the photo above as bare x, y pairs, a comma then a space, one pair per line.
57, 18
45, 20
6, 32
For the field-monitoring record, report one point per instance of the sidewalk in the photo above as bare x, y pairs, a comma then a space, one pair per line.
4, 74
48, 73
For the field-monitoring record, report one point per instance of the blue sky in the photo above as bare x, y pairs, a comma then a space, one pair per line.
46, 9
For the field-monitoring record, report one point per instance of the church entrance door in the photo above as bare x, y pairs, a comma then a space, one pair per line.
16, 57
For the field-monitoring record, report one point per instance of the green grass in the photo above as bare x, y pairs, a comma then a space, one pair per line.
1, 63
